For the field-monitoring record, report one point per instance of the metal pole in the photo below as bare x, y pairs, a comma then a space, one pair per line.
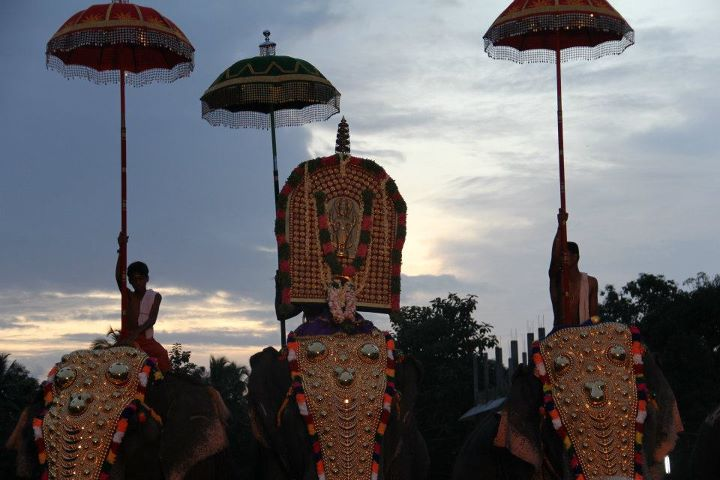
276, 187
476, 387
123, 203
565, 305
530, 338
499, 373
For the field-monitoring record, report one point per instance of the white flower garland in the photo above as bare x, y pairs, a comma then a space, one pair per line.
342, 301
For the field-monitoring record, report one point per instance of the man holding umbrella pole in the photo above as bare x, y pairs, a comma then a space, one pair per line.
582, 288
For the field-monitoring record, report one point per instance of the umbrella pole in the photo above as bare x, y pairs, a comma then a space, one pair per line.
123, 204
565, 305
276, 186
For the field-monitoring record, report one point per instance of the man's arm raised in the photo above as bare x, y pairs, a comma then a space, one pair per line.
556, 254
122, 240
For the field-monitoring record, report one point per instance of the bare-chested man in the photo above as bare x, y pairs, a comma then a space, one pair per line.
143, 306
583, 289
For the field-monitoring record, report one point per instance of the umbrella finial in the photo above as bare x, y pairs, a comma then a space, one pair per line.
267, 47
342, 144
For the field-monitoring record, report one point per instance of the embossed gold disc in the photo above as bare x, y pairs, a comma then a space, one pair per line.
369, 351
316, 350
118, 373
65, 377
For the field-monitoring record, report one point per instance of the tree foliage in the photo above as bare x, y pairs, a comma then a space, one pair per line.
443, 336
17, 389
180, 363
681, 326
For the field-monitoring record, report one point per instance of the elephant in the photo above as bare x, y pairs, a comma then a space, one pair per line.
536, 451
705, 460
284, 444
188, 441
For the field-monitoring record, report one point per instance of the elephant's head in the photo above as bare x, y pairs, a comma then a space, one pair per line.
178, 427
282, 433
523, 442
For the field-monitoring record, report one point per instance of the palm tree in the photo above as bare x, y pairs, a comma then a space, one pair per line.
229, 378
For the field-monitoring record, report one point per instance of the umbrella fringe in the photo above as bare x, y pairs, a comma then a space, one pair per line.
103, 77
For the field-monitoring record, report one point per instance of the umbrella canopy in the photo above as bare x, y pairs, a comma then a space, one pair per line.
269, 91
102, 40
246, 93
120, 42
532, 30
554, 31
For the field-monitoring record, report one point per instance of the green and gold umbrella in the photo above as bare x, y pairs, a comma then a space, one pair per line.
269, 91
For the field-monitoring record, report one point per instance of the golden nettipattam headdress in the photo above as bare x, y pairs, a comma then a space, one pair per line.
340, 219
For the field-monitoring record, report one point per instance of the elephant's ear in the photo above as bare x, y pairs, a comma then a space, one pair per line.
520, 419
663, 420
408, 375
267, 390
193, 428
21, 441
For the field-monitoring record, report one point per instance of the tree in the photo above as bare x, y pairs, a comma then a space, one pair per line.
230, 379
17, 389
180, 363
681, 326
443, 337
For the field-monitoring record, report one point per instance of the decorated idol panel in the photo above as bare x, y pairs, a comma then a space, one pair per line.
340, 231
331, 400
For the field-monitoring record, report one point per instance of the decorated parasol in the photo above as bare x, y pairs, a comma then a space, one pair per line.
269, 91
555, 31
121, 42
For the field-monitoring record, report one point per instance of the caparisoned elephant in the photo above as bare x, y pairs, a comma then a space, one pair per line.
286, 448
529, 446
187, 439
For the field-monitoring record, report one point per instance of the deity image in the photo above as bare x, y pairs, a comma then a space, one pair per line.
344, 218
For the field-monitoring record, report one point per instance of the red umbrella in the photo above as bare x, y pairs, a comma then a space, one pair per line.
121, 42
554, 31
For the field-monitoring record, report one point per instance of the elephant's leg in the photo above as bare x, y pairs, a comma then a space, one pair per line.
479, 459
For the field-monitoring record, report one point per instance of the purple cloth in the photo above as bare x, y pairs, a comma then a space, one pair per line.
321, 324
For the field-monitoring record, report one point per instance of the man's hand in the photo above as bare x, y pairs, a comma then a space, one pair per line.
562, 217
122, 239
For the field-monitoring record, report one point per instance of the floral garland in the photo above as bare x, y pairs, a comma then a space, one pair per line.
549, 406
342, 302
295, 178
135, 409
293, 345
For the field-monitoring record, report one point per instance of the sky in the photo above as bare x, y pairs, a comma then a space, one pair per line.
470, 141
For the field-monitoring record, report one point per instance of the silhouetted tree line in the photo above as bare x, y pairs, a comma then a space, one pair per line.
681, 326
443, 336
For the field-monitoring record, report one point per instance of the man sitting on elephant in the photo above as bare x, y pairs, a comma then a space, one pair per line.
143, 306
